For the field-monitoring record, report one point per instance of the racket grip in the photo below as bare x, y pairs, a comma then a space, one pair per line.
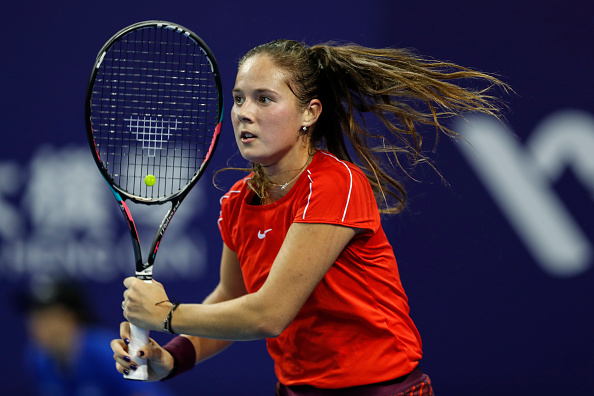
138, 338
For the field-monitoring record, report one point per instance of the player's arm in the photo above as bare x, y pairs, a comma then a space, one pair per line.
231, 286
307, 253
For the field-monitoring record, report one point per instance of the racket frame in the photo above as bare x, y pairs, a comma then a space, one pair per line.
144, 269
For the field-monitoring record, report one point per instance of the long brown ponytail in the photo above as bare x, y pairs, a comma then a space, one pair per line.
403, 90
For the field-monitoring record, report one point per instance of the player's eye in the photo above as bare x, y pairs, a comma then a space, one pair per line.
238, 100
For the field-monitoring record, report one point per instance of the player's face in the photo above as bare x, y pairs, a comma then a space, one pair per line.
266, 115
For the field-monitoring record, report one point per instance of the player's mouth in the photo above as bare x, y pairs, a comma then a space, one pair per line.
247, 137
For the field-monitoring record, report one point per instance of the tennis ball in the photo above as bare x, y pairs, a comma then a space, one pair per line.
150, 180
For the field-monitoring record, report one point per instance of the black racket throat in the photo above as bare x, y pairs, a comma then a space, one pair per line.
144, 269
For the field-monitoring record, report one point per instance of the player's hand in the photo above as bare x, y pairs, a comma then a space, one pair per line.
160, 362
145, 304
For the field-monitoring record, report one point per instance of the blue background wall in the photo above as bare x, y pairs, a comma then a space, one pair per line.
497, 265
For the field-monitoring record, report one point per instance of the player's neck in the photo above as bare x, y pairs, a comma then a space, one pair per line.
283, 182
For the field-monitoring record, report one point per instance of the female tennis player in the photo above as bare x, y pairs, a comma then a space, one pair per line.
305, 262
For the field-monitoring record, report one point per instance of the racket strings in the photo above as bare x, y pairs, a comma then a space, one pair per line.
154, 111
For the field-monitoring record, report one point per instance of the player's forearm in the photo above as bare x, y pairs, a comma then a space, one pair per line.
209, 347
234, 320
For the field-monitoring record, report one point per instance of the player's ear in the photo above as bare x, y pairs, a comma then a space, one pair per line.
312, 112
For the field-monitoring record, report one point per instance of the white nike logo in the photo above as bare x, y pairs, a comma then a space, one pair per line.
262, 235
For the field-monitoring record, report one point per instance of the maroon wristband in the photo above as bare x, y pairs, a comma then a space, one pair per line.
184, 355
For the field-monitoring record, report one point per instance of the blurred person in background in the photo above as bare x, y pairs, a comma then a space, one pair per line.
68, 353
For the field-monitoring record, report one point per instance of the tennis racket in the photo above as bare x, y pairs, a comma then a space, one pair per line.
153, 115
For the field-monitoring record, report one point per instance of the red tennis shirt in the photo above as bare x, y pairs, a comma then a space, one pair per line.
355, 327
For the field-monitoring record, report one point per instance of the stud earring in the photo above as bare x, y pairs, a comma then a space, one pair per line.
304, 128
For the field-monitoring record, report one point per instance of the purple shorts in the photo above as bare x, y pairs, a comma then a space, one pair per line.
414, 384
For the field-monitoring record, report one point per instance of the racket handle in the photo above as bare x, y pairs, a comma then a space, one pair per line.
138, 338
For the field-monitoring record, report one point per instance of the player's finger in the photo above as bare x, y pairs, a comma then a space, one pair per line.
125, 365
120, 368
120, 354
129, 281
156, 282
118, 347
125, 332
150, 350
124, 362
